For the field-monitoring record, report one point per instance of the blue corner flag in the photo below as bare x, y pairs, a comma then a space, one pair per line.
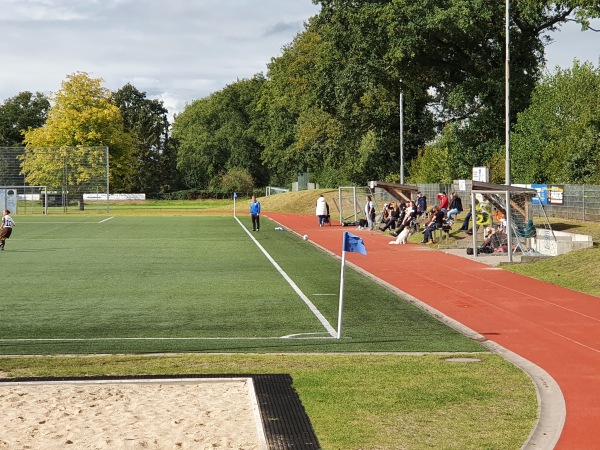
354, 243
235, 195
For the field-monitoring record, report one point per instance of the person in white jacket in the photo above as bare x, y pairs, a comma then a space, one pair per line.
322, 210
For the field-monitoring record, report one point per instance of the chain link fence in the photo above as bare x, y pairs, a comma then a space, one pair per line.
65, 173
580, 202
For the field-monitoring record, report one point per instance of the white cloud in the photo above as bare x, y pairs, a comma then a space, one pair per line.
570, 42
177, 51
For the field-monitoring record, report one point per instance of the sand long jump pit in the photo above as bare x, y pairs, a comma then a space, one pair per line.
213, 413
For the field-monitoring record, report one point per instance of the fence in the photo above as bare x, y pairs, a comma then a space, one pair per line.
67, 172
580, 202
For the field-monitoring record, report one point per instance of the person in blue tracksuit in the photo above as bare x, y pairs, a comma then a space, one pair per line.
255, 213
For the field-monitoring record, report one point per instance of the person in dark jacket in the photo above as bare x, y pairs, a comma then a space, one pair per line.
421, 203
436, 221
455, 207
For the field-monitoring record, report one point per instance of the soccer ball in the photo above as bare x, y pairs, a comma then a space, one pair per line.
305, 237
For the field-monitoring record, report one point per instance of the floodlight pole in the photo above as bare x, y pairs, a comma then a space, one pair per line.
401, 102
507, 95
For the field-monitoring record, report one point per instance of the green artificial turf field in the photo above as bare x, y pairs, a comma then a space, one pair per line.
100, 284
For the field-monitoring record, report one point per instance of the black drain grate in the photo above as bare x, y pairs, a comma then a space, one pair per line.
285, 421
286, 425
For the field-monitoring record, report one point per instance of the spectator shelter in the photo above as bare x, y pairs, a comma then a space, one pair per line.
514, 207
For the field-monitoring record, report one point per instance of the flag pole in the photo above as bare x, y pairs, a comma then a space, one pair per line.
234, 197
341, 306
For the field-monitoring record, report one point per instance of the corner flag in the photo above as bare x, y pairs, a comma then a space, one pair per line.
353, 243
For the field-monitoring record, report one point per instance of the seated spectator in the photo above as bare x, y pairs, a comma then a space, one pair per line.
494, 238
393, 217
385, 214
455, 206
436, 221
465, 224
443, 199
410, 214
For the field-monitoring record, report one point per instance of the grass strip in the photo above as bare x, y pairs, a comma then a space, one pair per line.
358, 401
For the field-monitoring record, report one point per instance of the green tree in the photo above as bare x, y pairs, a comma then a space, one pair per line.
154, 159
449, 55
219, 133
82, 115
434, 162
557, 139
20, 112
237, 180
16, 115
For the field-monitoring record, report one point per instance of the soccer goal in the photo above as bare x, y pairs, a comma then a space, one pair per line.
348, 203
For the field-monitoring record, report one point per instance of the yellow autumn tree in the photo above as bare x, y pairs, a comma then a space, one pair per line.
69, 150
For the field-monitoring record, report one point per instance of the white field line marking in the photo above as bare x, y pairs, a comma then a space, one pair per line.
304, 298
44, 222
307, 336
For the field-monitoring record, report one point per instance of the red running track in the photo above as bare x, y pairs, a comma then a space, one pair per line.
555, 328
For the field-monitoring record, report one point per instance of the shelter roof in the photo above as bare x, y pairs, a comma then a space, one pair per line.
400, 192
492, 187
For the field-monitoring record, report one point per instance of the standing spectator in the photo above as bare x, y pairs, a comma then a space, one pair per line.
421, 203
370, 212
443, 199
455, 206
255, 213
322, 210
5, 228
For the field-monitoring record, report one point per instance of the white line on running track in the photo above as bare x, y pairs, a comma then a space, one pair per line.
304, 298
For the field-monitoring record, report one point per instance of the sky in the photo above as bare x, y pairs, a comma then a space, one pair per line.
176, 51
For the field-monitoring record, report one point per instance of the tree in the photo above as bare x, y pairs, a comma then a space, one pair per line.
557, 139
154, 160
82, 115
19, 113
238, 180
220, 133
449, 55
434, 163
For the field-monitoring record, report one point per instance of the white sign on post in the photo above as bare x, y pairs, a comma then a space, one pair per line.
481, 174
